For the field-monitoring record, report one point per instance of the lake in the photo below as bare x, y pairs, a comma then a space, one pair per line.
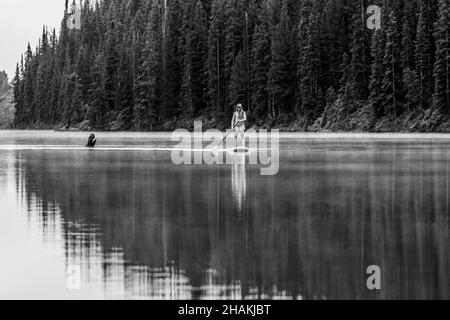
126, 223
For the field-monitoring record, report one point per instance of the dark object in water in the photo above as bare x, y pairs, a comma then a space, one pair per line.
92, 141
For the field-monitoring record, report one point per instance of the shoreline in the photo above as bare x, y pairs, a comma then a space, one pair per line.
332, 120
285, 134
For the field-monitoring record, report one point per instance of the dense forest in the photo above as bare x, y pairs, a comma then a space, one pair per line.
6, 102
294, 64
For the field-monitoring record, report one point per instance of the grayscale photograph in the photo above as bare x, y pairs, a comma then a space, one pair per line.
224, 150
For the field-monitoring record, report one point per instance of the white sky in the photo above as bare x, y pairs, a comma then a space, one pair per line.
21, 21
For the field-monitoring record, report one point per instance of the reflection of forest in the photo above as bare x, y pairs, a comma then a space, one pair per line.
309, 231
239, 180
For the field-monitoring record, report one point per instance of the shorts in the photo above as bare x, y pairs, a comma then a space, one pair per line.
239, 129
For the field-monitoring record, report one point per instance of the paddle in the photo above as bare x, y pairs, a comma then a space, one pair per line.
228, 134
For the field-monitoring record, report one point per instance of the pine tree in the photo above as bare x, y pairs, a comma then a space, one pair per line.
65, 95
83, 69
76, 104
96, 108
422, 54
392, 80
51, 111
111, 71
195, 42
233, 29
148, 82
18, 97
187, 61
28, 90
360, 51
237, 80
42, 78
199, 57
306, 8
409, 27
441, 98
139, 65
376, 98
216, 64
125, 91
260, 62
280, 84
173, 70
345, 83
411, 84
333, 42
310, 65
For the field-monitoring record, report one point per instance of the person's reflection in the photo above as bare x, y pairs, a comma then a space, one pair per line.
239, 180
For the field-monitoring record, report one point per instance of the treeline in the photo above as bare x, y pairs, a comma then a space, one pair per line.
139, 64
4, 84
6, 102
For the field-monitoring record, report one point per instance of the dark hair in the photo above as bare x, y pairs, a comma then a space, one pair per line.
240, 110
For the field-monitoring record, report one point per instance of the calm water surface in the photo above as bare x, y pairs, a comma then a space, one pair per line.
139, 227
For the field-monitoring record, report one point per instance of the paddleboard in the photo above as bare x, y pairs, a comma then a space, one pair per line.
240, 150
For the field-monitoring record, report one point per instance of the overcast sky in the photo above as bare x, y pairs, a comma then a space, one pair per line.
21, 21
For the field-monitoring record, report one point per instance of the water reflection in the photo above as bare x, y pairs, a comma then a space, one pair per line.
239, 179
140, 227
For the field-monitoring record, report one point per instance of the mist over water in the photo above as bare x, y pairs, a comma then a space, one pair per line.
140, 227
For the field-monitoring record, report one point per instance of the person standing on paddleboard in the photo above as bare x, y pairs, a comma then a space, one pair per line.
238, 124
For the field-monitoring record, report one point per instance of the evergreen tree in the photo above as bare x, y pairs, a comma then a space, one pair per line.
141, 65
96, 108
148, 82
64, 93
42, 84
111, 71
376, 97
260, 63
216, 58
233, 30
333, 42
409, 27
173, 70
360, 51
237, 81
392, 80
411, 84
280, 84
310, 65
18, 97
422, 54
442, 65
76, 104
28, 90
195, 45
306, 8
